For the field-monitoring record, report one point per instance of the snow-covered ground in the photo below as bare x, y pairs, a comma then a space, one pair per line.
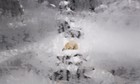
110, 43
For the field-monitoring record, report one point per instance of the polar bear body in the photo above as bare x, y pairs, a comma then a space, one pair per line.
71, 45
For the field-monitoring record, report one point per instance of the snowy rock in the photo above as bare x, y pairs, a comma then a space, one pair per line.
63, 4
60, 75
72, 68
73, 34
76, 59
68, 12
63, 26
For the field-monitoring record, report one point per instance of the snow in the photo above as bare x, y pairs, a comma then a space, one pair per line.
110, 42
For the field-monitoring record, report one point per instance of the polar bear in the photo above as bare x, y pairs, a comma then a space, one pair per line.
71, 45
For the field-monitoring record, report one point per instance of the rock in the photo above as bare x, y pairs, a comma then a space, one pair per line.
63, 5
63, 26
81, 74
76, 59
60, 75
73, 34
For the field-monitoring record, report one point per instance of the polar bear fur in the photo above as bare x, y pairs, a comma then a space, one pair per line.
71, 45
